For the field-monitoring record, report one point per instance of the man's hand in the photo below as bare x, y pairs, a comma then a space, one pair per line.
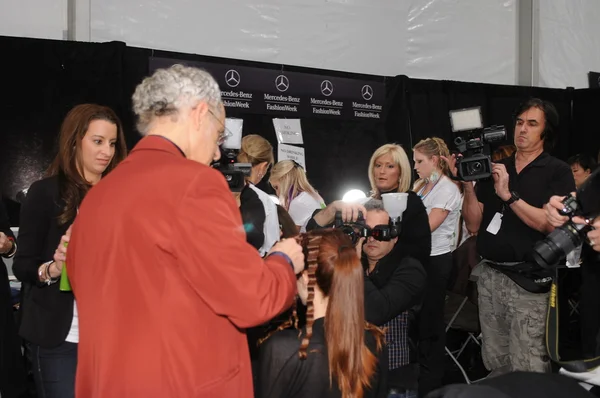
552, 211
6, 244
293, 250
501, 178
451, 162
359, 246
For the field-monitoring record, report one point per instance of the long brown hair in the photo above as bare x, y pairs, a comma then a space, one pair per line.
67, 163
333, 265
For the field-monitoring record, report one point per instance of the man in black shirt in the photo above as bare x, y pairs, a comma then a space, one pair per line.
394, 283
507, 214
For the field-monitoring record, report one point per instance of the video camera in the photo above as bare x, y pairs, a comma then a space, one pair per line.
548, 252
393, 203
234, 172
474, 162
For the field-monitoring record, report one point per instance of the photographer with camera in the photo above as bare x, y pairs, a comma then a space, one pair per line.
393, 285
585, 228
507, 211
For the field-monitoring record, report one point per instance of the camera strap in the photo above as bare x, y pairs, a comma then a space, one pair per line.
577, 366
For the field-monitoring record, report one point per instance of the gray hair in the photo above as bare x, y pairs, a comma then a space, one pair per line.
374, 204
169, 90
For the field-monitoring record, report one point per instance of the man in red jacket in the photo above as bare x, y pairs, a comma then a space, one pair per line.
164, 279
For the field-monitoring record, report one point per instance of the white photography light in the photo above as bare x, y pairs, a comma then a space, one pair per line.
354, 196
466, 119
395, 204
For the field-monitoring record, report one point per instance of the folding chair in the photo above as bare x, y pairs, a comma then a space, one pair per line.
461, 313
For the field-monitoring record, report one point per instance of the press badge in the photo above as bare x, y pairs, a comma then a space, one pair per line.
495, 224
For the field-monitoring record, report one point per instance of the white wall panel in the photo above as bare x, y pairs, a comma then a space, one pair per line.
43, 19
353, 35
468, 40
569, 42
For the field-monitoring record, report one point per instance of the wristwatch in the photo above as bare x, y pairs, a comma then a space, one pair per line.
513, 198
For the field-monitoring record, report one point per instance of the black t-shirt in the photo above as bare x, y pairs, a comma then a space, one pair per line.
536, 183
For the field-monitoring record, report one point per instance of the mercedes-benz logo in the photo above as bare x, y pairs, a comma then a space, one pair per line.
367, 92
326, 88
282, 83
232, 78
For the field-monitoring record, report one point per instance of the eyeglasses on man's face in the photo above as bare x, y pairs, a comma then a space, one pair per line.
225, 133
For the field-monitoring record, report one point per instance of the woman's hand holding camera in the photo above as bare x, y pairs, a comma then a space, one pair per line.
594, 235
350, 212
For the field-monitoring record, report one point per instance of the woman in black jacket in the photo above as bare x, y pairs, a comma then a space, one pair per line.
337, 354
91, 144
12, 367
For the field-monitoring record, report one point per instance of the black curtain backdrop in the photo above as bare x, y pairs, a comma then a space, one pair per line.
45, 78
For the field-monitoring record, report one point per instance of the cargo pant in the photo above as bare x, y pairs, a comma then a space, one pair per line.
513, 325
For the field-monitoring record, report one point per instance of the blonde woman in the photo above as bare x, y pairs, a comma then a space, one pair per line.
295, 193
442, 198
390, 171
259, 212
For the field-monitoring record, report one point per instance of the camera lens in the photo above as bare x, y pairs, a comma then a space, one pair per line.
477, 166
548, 252
348, 230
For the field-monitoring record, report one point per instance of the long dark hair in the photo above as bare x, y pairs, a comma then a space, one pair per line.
67, 163
333, 265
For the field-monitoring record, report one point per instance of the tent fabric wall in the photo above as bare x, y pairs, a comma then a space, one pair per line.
569, 39
468, 40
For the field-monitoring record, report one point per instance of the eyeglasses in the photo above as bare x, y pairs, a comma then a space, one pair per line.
225, 133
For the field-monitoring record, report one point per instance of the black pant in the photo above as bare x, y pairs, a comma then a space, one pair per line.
54, 370
590, 304
432, 333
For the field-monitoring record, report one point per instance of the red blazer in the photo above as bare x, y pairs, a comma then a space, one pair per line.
165, 282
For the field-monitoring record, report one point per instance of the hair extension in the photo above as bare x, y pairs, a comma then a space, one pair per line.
311, 267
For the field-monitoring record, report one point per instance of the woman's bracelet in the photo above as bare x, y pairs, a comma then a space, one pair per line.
44, 273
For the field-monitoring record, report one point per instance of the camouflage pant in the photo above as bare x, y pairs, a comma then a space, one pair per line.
513, 324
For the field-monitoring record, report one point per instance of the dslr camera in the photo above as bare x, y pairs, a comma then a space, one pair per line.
359, 229
548, 252
474, 161
395, 205
234, 172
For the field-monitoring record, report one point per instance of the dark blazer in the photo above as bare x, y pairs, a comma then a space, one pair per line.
12, 370
47, 312
282, 374
415, 236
